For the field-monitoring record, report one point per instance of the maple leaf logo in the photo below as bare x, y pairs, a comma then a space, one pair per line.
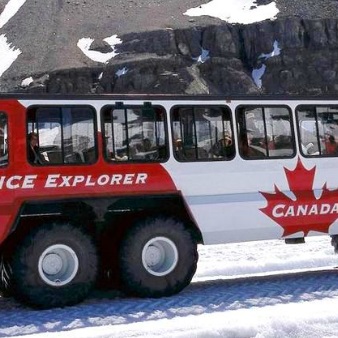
304, 212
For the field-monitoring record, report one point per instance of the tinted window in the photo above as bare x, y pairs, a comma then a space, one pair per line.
265, 132
202, 133
64, 135
136, 133
318, 130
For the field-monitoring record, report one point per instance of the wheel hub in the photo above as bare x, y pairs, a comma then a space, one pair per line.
153, 256
160, 256
58, 265
52, 264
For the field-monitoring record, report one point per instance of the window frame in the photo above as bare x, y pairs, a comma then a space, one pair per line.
147, 105
317, 129
35, 107
226, 109
292, 130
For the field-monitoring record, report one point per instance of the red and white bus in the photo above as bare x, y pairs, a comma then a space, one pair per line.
126, 186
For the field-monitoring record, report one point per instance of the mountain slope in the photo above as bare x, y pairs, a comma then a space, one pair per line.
160, 46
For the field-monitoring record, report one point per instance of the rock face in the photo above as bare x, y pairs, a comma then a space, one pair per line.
166, 61
290, 55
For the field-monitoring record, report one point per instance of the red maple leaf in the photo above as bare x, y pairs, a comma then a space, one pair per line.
303, 212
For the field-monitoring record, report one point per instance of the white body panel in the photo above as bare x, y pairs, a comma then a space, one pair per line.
224, 197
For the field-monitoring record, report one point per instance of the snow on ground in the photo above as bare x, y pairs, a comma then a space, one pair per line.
26, 82
10, 10
257, 289
236, 11
85, 43
8, 53
263, 257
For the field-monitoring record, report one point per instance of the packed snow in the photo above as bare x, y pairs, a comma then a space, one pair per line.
8, 52
85, 43
203, 57
275, 52
256, 289
257, 73
10, 10
122, 72
26, 82
236, 11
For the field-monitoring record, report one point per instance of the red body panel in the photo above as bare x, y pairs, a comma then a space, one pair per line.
21, 181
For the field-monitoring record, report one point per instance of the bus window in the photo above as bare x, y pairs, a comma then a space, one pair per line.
65, 135
136, 133
3, 140
318, 130
265, 132
202, 133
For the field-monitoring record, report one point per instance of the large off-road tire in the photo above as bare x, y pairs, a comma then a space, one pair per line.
6, 287
158, 257
55, 266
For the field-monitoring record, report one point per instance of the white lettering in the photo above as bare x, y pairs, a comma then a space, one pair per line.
103, 180
2, 181
324, 209
116, 179
28, 182
334, 209
78, 179
89, 182
141, 178
51, 181
10, 184
61, 181
17, 182
281, 210
277, 211
302, 210
65, 181
290, 211
313, 210
128, 179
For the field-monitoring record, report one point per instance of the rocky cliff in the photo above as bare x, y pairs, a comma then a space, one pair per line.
295, 53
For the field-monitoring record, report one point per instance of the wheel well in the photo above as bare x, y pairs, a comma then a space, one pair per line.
22, 228
97, 213
26, 225
35, 214
125, 211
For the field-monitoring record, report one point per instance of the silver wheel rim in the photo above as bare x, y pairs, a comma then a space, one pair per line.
58, 265
159, 256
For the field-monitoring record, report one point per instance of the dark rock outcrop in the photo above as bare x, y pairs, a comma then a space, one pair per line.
166, 61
